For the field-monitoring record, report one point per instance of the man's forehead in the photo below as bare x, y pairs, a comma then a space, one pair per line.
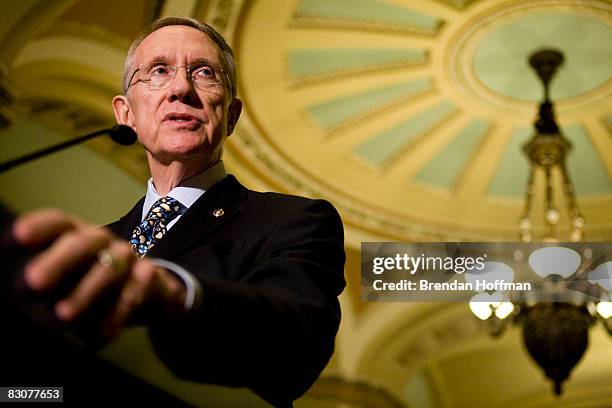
178, 41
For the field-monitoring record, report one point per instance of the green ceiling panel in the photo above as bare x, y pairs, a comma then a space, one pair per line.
333, 113
385, 146
367, 12
316, 62
447, 165
501, 60
511, 176
584, 165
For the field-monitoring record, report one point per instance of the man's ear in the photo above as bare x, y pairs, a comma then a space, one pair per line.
123, 111
233, 114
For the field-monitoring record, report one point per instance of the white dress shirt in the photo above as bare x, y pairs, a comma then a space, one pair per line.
187, 193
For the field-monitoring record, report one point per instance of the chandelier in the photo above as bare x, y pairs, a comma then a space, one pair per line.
546, 152
555, 333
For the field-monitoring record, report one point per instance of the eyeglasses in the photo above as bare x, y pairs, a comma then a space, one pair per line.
160, 76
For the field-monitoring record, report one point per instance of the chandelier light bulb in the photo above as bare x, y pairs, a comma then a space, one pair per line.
552, 216
604, 309
525, 223
481, 310
578, 222
504, 310
576, 235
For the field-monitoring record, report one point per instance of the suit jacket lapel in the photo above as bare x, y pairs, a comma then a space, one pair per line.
126, 224
213, 209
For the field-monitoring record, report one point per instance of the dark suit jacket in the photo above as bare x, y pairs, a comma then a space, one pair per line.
271, 268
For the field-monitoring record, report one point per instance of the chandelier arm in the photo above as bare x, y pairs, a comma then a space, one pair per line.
550, 202
570, 193
525, 222
576, 219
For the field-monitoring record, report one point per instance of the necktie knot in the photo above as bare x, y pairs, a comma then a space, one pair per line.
154, 226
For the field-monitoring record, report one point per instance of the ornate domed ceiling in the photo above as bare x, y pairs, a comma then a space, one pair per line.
410, 116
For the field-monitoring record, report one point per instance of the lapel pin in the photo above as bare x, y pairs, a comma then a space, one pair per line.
218, 212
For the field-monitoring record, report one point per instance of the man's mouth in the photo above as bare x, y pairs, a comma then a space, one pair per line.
181, 118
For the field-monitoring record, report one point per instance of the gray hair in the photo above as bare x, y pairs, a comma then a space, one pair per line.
227, 53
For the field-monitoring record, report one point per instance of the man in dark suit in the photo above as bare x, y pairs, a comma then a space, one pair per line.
236, 287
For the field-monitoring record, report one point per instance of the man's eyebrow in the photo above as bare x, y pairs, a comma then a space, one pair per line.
160, 59
205, 61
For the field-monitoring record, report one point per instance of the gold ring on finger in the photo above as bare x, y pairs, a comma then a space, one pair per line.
108, 260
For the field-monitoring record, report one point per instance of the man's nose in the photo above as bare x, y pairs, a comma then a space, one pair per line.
182, 86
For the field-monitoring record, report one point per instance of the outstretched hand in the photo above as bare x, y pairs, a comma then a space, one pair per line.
102, 273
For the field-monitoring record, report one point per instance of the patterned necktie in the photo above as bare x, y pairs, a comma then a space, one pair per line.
154, 226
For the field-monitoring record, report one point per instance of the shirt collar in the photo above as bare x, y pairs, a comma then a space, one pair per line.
188, 191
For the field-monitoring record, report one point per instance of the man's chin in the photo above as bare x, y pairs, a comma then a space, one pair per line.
182, 154
183, 143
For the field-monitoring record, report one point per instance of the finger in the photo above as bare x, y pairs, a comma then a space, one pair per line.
71, 250
98, 280
133, 298
42, 226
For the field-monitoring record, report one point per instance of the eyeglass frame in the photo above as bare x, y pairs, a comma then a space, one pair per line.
176, 68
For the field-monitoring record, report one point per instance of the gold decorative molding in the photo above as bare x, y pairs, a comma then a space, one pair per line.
222, 15
340, 390
458, 4
86, 31
7, 99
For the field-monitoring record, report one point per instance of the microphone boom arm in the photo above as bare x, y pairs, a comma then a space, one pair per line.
119, 133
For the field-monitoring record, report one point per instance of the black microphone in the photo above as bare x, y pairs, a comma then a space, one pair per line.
122, 134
